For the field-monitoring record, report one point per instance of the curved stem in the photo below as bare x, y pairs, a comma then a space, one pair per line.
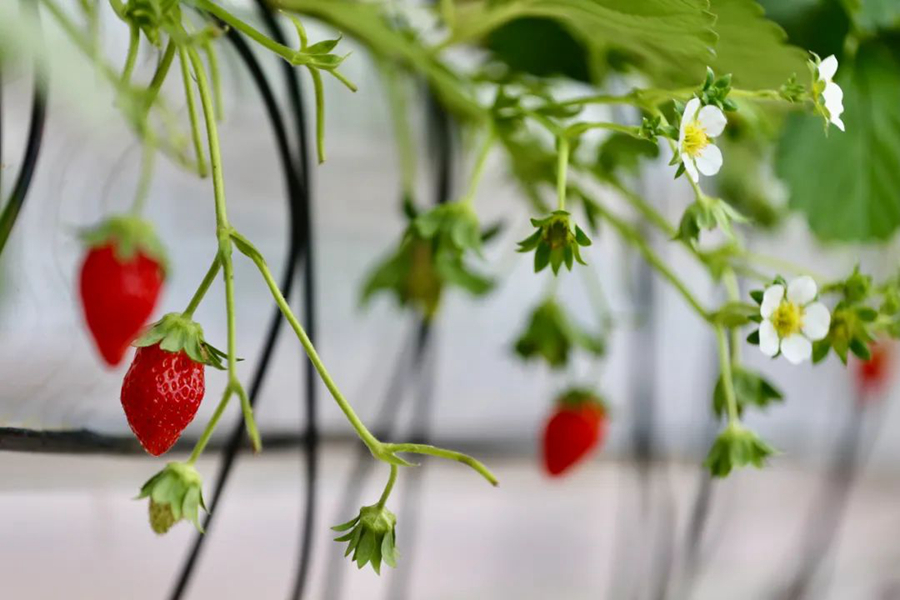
319, 93
192, 109
134, 43
579, 128
162, 70
392, 478
246, 248
635, 238
443, 453
480, 163
215, 78
204, 286
210, 427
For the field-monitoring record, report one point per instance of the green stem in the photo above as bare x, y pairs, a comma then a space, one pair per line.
480, 163
204, 287
223, 233
215, 77
579, 128
727, 381
253, 254
392, 478
210, 426
192, 110
629, 233
319, 91
779, 264
146, 178
734, 295
562, 170
601, 99
443, 453
399, 107
162, 70
134, 43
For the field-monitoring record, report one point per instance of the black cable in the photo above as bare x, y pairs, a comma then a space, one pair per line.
294, 198
13, 207
311, 433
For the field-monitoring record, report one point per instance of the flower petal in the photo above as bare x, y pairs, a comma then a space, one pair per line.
796, 348
837, 122
709, 160
690, 113
712, 120
802, 290
690, 167
827, 68
771, 299
768, 339
816, 320
833, 96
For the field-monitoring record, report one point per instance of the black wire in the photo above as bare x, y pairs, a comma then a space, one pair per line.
13, 207
295, 197
311, 433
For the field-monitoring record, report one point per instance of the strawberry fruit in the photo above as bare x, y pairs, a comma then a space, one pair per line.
577, 426
121, 278
165, 384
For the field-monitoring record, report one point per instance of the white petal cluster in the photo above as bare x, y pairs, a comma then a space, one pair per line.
791, 322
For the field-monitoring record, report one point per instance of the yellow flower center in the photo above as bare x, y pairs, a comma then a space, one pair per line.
787, 319
695, 139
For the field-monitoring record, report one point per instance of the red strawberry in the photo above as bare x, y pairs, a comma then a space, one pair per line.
576, 426
121, 278
161, 394
872, 375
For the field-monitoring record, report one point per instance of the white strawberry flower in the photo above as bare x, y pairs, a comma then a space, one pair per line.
698, 127
832, 94
792, 322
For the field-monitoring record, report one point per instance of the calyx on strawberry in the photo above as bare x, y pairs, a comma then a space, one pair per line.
371, 537
120, 281
175, 493
164, 386
576, 426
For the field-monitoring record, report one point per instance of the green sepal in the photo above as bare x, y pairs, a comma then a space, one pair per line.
175, 493
750, 389
734, 314
175, 333
736, 447
578, 397
372, 539
555, 242
128, 236
551, 335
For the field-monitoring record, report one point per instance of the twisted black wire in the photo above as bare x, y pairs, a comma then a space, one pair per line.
295, 197
13, 207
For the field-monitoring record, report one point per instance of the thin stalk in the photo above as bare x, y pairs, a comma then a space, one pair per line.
134, 43
443, 453
562, 171
192, 110
260, 38
253, 254
480, 164
389, 487
734, 295
213, 60
727, 381
223, 230
579, 128
630, 234
204, 287
210, 426
319, 92
148, 158
162, 70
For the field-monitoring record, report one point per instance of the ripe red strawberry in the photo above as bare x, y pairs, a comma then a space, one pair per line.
161, 394
164, 386
121, 278
872, 375
576, 426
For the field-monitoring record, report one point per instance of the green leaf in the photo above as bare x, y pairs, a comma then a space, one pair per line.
753, 47
847, 183
659, 36
877, 14
736, 447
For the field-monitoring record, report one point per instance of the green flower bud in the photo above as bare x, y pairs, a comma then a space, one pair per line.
372, 537
555, 242
175, 493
